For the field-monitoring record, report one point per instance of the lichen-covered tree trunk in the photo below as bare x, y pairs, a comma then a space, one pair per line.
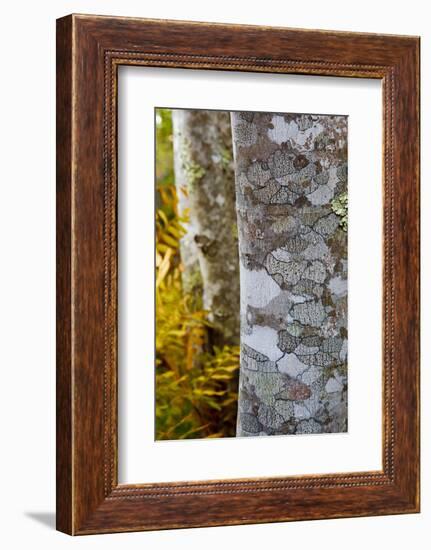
191, 275
291, 184
206, 188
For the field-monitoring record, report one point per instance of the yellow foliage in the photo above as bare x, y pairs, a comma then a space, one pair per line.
196, 387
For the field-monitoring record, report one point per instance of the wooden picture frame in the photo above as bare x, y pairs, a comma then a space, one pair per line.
89, 51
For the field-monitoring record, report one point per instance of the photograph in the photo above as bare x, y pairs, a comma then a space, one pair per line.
251, 259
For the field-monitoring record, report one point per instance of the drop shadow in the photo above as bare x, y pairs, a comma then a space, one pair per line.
45, 518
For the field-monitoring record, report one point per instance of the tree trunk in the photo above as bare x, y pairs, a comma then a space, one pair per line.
191, 275
205, 184
291, 186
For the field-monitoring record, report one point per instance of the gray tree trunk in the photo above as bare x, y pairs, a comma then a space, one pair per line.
291, 185
206, 188
191, 275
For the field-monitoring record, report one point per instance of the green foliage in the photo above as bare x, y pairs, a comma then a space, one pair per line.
164, 149
340, 207
196, 384
196, 388
199, 401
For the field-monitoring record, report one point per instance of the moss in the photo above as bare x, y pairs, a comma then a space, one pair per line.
340, 208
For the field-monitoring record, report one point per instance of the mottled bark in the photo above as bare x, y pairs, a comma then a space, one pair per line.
191, 275
290, 171
205, 183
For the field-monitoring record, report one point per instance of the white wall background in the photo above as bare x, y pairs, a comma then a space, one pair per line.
27, 286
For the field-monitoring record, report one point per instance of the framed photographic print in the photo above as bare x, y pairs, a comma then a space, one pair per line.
237, 274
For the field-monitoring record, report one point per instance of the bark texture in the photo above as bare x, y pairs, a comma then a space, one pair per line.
291, 185
206, 189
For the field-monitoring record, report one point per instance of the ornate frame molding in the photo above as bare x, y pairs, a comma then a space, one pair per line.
89, 498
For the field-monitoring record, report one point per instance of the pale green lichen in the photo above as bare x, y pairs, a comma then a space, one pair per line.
194, 171
340, 208
193, 281
225, 157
